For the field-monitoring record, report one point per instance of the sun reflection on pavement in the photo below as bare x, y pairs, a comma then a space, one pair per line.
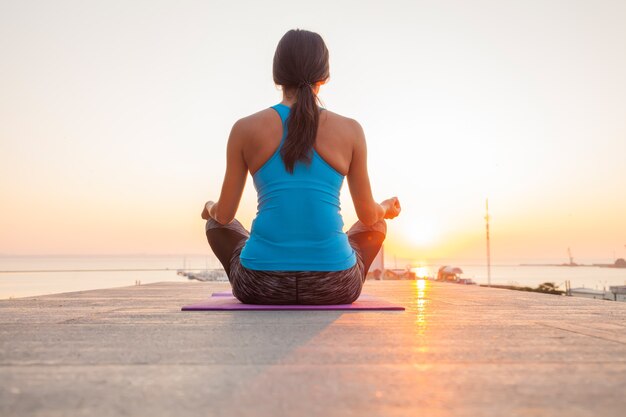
422, 287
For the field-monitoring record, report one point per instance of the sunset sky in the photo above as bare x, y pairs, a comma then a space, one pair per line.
114, 117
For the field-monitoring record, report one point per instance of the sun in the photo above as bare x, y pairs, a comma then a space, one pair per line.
421, 232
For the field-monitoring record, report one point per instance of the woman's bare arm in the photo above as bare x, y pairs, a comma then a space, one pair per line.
224, 210
367, 210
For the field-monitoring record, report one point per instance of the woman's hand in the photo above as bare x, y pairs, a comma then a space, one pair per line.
392, 207
205, 210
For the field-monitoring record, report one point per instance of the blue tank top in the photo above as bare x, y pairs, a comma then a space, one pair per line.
298, 225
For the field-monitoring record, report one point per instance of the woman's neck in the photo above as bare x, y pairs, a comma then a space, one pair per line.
287, 102
289, 96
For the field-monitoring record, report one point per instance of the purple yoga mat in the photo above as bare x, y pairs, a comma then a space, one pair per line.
226, 301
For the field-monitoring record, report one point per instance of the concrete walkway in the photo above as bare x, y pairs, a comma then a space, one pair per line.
456, 351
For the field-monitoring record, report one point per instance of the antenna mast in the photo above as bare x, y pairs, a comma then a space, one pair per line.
488, 247
571, 259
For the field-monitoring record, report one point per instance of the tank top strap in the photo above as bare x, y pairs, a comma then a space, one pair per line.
283, 112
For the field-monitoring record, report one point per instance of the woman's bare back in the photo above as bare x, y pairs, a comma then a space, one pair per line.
334, 142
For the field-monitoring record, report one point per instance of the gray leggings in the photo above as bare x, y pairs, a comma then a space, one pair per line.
294, 287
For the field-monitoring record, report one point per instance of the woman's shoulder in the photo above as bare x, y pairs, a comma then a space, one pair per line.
348, 126
338, 117
259, 116
255, 122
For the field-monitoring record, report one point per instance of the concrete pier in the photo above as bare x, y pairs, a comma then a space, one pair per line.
456, 351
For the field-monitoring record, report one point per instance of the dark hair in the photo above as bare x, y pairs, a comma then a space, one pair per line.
301, 60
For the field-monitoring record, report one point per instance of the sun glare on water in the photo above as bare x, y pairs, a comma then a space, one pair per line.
421, 272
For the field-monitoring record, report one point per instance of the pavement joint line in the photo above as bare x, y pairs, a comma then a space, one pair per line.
584, 332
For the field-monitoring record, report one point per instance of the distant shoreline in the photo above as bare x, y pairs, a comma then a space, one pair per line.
579, 265
98, 270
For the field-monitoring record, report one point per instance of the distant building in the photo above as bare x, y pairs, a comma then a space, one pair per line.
399, 274
449, 273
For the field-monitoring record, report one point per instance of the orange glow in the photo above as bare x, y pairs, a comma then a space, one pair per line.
421, 272
420, 231
422, 288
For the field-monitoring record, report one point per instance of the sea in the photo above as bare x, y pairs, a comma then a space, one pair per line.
25, 276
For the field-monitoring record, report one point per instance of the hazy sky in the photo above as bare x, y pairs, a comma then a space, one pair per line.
114, 117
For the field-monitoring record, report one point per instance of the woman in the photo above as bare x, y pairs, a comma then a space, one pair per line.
298, 155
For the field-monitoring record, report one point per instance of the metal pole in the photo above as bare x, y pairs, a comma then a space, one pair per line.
488, 248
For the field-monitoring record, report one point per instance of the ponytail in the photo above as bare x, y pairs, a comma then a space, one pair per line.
302, 126
301, 59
